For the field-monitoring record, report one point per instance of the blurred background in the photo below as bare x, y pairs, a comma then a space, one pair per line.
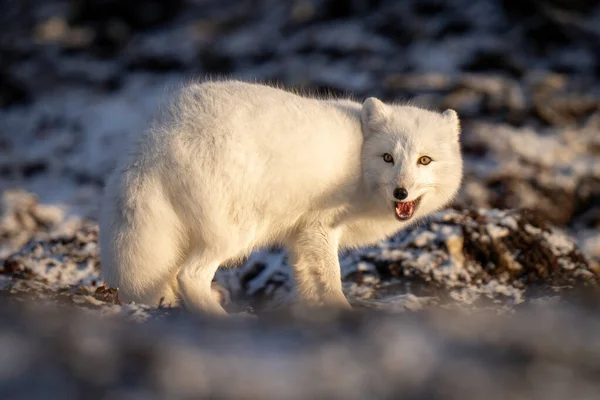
78, 76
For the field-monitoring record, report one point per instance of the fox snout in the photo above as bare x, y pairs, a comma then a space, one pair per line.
400, 193
403, 189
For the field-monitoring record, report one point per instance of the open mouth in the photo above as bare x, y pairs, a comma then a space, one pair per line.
406, 209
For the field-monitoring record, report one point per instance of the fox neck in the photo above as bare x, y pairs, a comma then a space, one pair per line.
366, 201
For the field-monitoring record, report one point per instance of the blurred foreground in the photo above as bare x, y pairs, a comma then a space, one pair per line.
540, 353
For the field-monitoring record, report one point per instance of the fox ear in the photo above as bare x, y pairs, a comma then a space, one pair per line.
373, 114
452, 116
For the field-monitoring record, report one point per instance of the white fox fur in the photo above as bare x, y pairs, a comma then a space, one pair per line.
231, 167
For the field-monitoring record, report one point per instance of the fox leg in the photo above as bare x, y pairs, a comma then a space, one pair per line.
315, 263
195, 284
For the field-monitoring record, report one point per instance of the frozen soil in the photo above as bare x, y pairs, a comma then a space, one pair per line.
458, 258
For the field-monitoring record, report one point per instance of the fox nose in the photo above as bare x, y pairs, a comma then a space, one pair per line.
400, 193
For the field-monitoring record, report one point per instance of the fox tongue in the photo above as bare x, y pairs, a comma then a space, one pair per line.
404, 210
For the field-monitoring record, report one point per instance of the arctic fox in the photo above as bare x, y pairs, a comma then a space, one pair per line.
232, 166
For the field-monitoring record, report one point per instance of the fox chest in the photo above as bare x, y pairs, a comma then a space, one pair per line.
369, 231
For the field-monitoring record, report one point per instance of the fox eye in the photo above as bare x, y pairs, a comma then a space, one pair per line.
425, 160
387, 157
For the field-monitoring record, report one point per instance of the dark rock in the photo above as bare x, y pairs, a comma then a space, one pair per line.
495, 61
337, 9
137, 14
12, 91
107, 295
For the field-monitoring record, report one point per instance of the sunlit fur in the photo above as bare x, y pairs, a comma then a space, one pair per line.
230, 167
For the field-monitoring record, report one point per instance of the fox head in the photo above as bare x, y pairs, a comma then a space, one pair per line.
411, 158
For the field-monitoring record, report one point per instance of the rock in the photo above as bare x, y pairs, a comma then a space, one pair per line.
22, 219
137, 14
475, 254
556, 174
495, 60
12, 90
60, 261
